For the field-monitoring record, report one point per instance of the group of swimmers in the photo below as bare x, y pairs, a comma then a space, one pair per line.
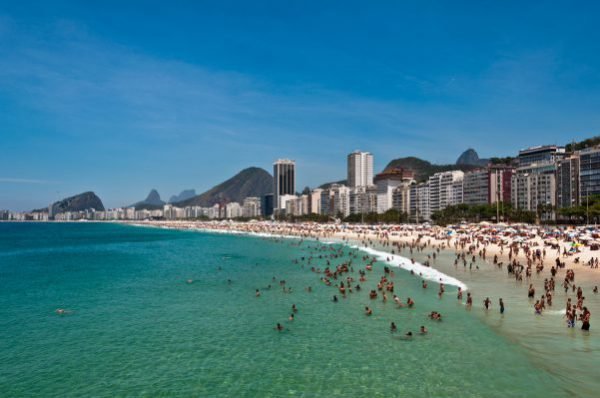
468, 251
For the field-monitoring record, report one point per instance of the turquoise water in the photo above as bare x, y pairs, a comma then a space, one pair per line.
135, 327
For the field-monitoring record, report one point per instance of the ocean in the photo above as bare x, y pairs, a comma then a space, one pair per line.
134, 325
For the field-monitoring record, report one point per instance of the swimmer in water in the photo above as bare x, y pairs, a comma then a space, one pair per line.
393, 328
279, 327
291, 318
294, 308
368, 311
60, 311
335, 299
257, 294
423, 330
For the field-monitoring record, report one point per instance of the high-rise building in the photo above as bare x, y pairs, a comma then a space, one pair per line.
476, 187
315, 201
284, 181
445, 189
401, 199
589, 173
360, 169
251, 207
386, 183
419, 202
567, 181
266, 205
534, 186
500, 183
363, 200
488, 186
540, 154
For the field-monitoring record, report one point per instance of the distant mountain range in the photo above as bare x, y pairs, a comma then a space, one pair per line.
184, 195
152, 202
255, 181
83, 201
252, 181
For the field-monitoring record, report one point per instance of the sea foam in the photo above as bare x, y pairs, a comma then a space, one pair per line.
421, 270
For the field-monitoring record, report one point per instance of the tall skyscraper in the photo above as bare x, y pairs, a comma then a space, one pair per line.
284, 180
360, 169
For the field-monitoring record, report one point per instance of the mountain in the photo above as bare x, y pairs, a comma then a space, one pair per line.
471, 158
151, 202
184, 195
83, 201
252, 181
424, 169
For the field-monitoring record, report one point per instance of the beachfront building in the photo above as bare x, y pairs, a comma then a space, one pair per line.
266, 205
251, 208
284, 200
419, 203
500, 183
340, 200
386, 182
360, 169
488, 186
476, 187
567, 181
534, 187
326, 206
284, 181
297, 206
540, 154
589, 173
401, 196
445, 189
233, 210
363, 200
315, 201
335, 201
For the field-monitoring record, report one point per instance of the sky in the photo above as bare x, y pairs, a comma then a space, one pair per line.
120, 97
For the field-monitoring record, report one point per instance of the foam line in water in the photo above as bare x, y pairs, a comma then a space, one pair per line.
424, 272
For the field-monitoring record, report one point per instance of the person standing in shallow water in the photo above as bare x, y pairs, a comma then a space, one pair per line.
501, 303
585, 318
486, 303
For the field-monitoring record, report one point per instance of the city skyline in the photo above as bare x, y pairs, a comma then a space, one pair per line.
118, 103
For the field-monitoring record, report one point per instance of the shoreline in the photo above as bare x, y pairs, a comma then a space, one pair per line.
417, 269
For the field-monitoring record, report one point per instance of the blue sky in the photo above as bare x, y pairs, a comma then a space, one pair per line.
120, 99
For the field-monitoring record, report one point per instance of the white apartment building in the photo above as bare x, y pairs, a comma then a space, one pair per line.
401, 198
445, 189
419, 203
315, 201
360, 169
233, 210
386, 183
363, 200
534, 185
251, 207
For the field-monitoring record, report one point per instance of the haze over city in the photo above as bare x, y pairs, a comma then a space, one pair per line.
127, 98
